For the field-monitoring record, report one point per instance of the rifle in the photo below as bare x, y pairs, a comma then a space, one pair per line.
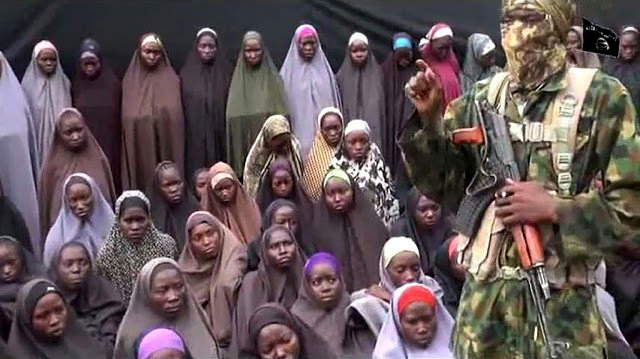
498, 165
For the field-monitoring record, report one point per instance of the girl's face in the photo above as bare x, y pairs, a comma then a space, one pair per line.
338, 195
226, 190
134, 222
10, 262
285, 216
325, 285
281, 249
331, 129
80, 200
281, 183
167, 292
404, 268
358, 51
49, 317
357, 144
205, 241
47, 61
207, 48
278, 341
73, 267
418, 324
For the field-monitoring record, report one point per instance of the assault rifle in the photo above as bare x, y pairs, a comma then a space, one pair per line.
498, 165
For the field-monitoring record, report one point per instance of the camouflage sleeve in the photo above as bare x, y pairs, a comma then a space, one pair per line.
593, 224
435, 166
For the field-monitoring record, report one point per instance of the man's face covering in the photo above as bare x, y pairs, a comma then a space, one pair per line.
533, 37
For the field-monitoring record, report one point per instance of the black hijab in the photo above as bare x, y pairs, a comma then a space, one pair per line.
12, 223
31, 268
204, 89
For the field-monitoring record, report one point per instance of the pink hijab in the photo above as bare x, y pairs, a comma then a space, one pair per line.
447, 70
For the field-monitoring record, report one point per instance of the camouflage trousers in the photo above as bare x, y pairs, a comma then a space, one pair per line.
498, 320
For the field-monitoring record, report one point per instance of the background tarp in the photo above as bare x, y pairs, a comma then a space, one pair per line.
118, 24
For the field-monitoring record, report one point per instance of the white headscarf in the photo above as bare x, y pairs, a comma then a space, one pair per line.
67, 228
390, 343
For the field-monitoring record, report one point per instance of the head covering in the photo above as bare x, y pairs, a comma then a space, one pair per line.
311, 345
310, 86
328, 324
242, 215
427, 241
260, 156
478, 45
397, 105
12, 224
99, 100
361, 89
214, 283
357, 125
31, 268
169, 218
395, 246
190, 322
96, 303
579, 58
446, 69
91, 231
320, 156
23, 343
265, 195
204, 90
355, 237
536, 54
61, 162
160, 339
267, 284
372, 176
18, 172
390, 342
119, 259
47, 96
255, 94
152, 118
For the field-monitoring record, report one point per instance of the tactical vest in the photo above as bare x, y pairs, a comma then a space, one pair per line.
483, 255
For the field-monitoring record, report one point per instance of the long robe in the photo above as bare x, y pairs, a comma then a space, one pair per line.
629, 74
152, 121
99, 100
18, 172
204, 89
255, 94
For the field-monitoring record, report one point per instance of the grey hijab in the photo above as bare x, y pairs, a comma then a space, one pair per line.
472, 71
18, 172
310, 87
47, 96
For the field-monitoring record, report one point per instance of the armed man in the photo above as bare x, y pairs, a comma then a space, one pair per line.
524, 147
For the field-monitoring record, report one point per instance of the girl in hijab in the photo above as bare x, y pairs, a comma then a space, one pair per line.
438, 54
74, 150
346, 225
397, 69
275, 333
213, 262
479, 62
161, 341
323, 300
284, 213
418, 326
576, 57
449, 274
362, 160
256, 93
277, 280
152, 117
329, 136
132, 242
204, 81
426, 224
18, 267
18, 172
48, 91
85, 216
171, 203
11, 222
280, 181
45, 327
97, 93
360, 82
309, 83
95, 301
399, 264
201, 180
227, 200
274, 141
162, 297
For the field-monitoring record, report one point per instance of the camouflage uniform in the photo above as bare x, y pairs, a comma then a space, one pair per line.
496, 318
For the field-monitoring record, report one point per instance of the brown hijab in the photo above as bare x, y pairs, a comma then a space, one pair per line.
152, 118
266, 285
242, 215
214, 284
61, 162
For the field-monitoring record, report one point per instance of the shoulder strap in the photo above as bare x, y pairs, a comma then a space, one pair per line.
497, 91
565, 116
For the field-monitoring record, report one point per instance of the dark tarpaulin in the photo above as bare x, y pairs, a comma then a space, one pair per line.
118, 24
